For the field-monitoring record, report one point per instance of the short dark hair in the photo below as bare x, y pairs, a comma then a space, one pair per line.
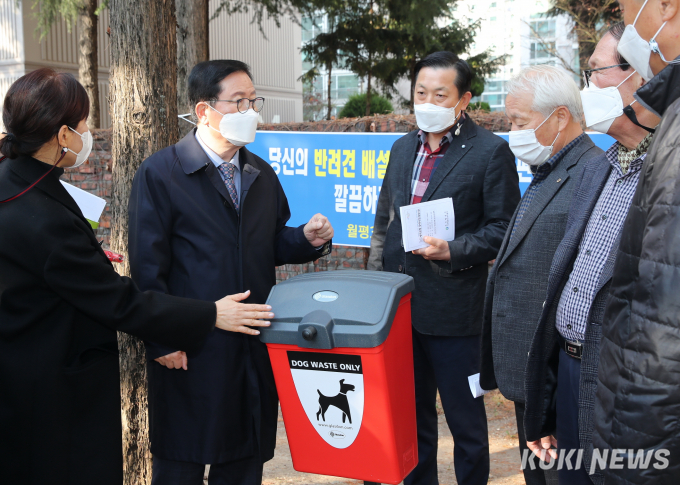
205, 78
448, 60
36, 106
616, 30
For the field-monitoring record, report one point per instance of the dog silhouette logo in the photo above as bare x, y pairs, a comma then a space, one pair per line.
339, 401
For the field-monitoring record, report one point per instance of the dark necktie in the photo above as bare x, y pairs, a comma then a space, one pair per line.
227, 171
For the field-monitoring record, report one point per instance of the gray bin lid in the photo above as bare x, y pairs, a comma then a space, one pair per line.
335, 309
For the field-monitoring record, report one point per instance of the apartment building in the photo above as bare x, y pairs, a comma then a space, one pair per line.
520, 30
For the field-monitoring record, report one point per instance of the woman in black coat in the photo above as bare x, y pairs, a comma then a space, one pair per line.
61, 302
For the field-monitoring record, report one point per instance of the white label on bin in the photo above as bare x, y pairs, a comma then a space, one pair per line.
331, 390
325, 296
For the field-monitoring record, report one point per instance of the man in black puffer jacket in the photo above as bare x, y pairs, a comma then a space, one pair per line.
637, 409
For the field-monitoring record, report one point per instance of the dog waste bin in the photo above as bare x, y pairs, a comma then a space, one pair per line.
340, 348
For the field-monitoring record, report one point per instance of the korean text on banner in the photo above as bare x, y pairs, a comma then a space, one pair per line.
340, 175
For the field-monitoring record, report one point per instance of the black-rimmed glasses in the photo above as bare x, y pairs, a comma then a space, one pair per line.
243, 104
589, 72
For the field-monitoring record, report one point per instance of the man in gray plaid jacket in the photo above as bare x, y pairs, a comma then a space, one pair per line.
517, 283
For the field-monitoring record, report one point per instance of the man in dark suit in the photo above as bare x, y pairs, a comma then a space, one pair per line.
450, 156
548, 97
562, 365
207, 217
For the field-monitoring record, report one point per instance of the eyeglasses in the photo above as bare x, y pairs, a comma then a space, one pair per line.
589, 72
244, 104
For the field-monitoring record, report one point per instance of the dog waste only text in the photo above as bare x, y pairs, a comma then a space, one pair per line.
330, 366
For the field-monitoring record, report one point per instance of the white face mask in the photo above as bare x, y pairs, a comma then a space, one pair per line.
637, 50
435, 119
601, 106
526, 147
84, 152
238, 128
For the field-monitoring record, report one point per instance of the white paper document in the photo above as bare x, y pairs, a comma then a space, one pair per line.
476, 389
90, 205
434, 218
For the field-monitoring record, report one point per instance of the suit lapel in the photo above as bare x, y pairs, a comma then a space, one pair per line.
550, 186
192, 158
408, 158
459, 146
248, 173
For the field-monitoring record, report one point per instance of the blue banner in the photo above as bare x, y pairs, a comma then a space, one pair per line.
340, 176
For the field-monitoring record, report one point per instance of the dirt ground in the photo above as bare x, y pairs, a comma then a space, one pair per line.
505, 462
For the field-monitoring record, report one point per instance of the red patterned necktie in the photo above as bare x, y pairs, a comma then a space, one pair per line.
227, 171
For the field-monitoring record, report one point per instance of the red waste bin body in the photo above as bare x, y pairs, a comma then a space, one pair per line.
385, 449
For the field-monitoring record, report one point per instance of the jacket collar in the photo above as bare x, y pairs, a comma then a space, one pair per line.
659, 93
193, 158
190, 154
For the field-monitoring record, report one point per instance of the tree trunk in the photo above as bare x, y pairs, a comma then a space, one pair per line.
88, 63
330, 105
192, 48
412, 70
144, 120
368, 94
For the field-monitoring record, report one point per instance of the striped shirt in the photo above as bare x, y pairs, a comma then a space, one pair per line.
542, 172
427, 161
602, 230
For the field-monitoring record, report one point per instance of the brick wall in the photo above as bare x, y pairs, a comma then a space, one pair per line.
95, 176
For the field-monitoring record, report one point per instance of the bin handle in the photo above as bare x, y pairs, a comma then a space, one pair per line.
309, 333
315, 331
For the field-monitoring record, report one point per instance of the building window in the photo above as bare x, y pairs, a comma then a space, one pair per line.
493, 19
493, 4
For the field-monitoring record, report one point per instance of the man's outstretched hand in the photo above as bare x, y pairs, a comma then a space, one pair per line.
318, 230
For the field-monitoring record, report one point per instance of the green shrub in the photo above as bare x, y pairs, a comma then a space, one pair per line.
483, 105
356, 106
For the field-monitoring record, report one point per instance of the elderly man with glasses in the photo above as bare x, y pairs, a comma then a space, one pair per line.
208, 217
562, 366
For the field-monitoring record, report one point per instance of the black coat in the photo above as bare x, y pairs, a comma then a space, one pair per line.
478, 171
61, 303
637, 405
187, 239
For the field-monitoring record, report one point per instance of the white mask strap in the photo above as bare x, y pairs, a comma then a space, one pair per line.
546, 119
74, 131
218, 131
81, 137
631, 75
553, 143
658, 31
185, 117
639, 12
